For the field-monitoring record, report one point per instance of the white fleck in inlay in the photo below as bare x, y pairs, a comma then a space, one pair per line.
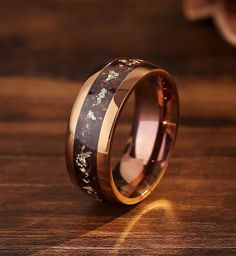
85, 130
122, 62
112, 75
84, 171
86, 181
89, 189
91, 115
129, 62
81, 160
100, 96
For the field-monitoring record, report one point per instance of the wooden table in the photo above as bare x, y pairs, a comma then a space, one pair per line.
193, 211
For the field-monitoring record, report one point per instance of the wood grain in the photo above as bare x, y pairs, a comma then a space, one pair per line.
192, 212
69, 39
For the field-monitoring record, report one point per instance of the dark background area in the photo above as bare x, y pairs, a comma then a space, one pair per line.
47, 48
69, 39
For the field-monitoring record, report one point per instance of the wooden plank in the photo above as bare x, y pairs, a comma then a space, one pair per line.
57, 38
181, 215
41, 213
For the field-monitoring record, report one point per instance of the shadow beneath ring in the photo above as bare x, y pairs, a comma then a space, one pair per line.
78, 220
98, 220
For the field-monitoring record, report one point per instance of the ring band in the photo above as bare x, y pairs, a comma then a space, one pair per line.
93, 123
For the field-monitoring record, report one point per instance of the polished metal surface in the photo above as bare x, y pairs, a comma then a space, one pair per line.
154, 128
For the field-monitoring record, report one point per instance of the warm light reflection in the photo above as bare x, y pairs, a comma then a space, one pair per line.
156, 205
142, 209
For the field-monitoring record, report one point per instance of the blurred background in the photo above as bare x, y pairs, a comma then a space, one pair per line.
69, 39
47, 49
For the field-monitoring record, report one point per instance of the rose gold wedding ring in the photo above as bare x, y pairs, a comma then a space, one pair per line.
94, 122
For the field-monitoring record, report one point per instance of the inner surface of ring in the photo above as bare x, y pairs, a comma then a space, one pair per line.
149, 136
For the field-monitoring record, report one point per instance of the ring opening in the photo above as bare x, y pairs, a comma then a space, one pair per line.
147, 127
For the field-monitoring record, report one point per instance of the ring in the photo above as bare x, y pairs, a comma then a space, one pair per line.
94, 123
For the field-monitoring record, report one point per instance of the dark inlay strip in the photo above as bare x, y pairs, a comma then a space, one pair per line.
90, 122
